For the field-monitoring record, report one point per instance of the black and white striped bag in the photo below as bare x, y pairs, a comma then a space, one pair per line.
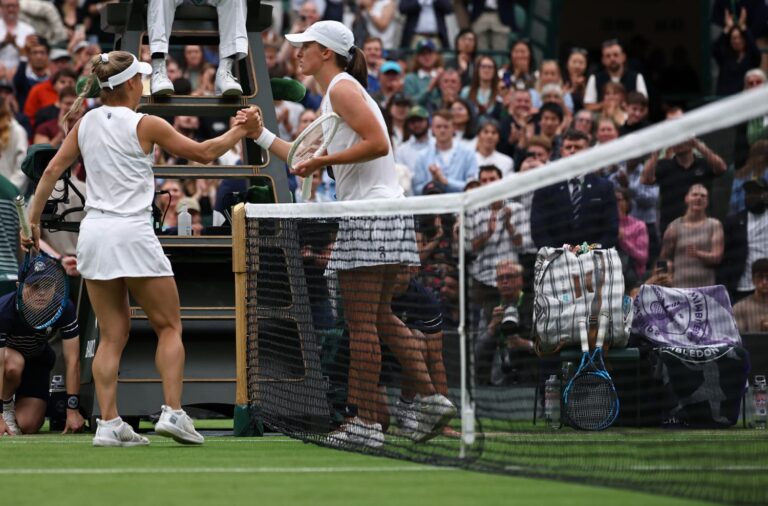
566, 290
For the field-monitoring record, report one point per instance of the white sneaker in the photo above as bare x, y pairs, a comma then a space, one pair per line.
117, 433
159, 84
178, 425
357, 433
433, 414
405, 417
9, 416
226, 84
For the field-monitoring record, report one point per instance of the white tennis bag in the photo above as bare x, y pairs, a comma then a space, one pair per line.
568, 287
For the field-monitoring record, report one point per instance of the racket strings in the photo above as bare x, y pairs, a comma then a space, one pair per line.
591, 402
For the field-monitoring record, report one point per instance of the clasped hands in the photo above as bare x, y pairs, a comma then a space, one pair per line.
251, 120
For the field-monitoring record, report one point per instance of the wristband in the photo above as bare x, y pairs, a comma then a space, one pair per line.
266, 139
73, 401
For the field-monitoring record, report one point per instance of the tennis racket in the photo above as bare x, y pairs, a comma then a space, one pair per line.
599, 363
589, 398
43, 285
311, 143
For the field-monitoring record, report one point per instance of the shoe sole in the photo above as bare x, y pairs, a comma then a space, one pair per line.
234, 92
422, 437
173, 432
111, 443
164, 92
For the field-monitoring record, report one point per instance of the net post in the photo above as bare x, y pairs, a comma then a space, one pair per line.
467, 411
242, 416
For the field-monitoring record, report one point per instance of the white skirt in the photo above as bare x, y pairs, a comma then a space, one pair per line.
369, 241
111, 247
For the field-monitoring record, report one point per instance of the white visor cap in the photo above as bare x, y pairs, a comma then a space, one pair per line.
136, 67
331, 34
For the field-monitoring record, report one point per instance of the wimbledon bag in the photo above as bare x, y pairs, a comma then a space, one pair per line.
568, 287
685, 316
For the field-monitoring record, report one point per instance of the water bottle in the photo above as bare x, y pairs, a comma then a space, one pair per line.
552, 402
760, 401
57, 404
184, 224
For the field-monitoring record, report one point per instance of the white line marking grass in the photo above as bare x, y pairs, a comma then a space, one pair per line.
225, 470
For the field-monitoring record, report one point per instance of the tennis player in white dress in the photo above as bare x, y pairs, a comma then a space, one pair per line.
368, 251
117, 250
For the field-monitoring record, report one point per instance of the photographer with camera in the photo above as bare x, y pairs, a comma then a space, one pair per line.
503, 346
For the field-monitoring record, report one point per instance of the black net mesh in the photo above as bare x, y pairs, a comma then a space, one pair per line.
354, 320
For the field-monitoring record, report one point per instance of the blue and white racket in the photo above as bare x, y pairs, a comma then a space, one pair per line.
43, 284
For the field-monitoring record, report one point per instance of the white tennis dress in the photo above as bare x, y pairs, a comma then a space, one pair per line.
366, 241
116, 238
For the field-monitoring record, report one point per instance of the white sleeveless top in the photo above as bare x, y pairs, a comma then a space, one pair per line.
375, 179
120, 177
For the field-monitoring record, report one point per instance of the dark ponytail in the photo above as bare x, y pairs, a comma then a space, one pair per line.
355, 65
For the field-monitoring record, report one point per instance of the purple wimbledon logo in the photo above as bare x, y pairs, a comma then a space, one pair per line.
685, 316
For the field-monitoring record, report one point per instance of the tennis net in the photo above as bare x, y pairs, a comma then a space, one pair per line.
445, 329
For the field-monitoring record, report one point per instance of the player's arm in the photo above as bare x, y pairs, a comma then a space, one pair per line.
71, 352
349, 103
154, 130
63, 160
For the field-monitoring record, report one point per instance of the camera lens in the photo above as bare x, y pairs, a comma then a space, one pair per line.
511, 320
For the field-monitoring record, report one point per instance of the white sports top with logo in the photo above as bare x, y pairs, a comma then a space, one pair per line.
120, 178
375, 179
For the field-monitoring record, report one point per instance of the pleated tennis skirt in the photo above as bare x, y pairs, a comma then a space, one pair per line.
369, 241
111, 247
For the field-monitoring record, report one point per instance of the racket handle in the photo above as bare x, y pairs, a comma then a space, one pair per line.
306, 188
602, 322
583, 334
19, 202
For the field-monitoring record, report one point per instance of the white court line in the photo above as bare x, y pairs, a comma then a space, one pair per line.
655, 469
63, 440
225, 470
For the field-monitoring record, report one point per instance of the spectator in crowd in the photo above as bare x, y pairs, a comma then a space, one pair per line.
8, 98
73, 15
746, 240
390, 82
643, 201
417, 139
752, 130
493, 234
425, 68
436, 243
549, 73
693, 243
493, 22
32, 71
615, 69
550, 125
505, 329
735, 52
373, 50
633, 239
578, 210
752, 312
45, 20
448, 164
233, 46
488, 136
26, 363
637, 113
482, 92
13, 148
514, 124
584, 122
447, 91
755, 168
607, 130
449, 299
53, 131
464, 123
395, 113
171, 192
13, 34
553, 93
576, 76
614, 102
192, 63
425, 20
518, 73
677, 172
379, 18
465, 55
47, 93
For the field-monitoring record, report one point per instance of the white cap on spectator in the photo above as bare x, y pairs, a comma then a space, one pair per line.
57, 54
331, 34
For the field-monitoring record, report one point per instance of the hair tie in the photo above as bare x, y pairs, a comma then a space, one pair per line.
351, 54
104, 58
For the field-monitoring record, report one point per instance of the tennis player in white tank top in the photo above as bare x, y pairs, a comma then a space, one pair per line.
117, 250
363, 164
